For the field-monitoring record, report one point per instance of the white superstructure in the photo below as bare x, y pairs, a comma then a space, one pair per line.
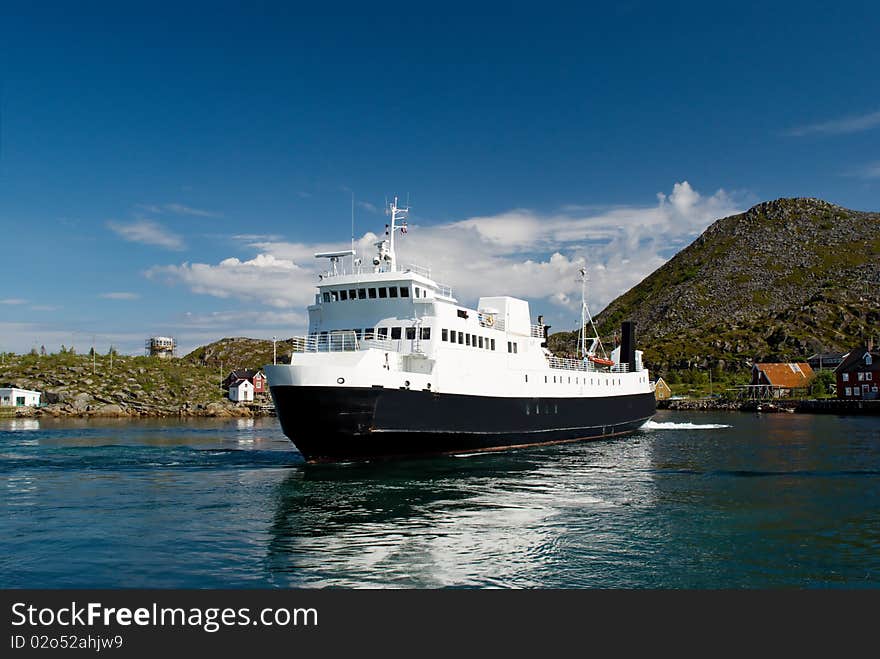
392, 326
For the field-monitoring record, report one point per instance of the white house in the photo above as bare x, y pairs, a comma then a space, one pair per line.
241, 391
15, 397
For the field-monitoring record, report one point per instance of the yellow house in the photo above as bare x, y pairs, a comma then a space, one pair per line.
661, 390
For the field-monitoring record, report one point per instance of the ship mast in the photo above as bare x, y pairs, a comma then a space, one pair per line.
595, 341
396, 214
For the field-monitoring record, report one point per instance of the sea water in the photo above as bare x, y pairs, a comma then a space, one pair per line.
692, 500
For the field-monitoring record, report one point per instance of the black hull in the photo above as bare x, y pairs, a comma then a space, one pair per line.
331, 424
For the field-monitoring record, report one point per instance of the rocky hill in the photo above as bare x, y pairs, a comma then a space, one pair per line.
122, 386
240, 352
781, 281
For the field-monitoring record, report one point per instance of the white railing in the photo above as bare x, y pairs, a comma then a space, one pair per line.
537, 331
585, 365
345, 341
491, 321
444, 291
418, 269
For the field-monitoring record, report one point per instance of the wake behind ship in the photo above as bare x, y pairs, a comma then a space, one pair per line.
394, 366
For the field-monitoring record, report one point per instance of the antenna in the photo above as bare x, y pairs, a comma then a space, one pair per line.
352, 220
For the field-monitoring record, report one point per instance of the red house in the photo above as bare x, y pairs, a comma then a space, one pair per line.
858, 376
256, 378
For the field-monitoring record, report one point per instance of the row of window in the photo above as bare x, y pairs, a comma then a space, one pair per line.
465, 339
855, 391
343, 294
862, 377
389, 332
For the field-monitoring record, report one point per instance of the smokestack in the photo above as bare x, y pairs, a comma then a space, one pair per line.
628, 344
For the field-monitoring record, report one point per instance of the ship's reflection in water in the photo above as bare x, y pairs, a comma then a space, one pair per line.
531, 518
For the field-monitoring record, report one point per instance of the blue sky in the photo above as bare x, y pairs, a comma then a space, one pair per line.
169, 168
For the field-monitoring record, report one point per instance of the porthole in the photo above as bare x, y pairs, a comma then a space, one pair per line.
340, 380
406, 383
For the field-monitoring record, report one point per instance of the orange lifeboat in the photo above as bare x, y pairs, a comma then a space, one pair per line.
600, 361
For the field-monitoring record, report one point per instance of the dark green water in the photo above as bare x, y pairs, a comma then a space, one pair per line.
771, 501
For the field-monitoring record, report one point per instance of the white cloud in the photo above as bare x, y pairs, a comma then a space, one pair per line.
517, 252
850, 124
869, 171
13, 300
121, 295
367, 206
147, 232
266, 278
176, 209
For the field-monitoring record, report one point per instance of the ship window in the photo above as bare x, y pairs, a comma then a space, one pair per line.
444, 335
410, 332
334, 296
326, 297
467, 339
493, 344
462, 313
352, 294
395, 332
480, 341
554, 379
569, 380
426, 334
404, 291
392, 291
461, 338
509, 349
362, 294
372, 292
527, 377
383, 292
343, 294
416, 291
514, 348
545, 379
382, 332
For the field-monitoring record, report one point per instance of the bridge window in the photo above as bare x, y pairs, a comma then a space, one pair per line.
462, 314
334, 296
352, 294
404, 291
410, 333
444, 335
383, 292
426, 334
382, 332
343, 294
392, 291
362, 294
416, 291
372, 292
326, 296
395, 332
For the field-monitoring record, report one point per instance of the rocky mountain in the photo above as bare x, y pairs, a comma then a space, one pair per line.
781, 281
240, 352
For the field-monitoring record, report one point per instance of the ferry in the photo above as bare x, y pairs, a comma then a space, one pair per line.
394, 366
